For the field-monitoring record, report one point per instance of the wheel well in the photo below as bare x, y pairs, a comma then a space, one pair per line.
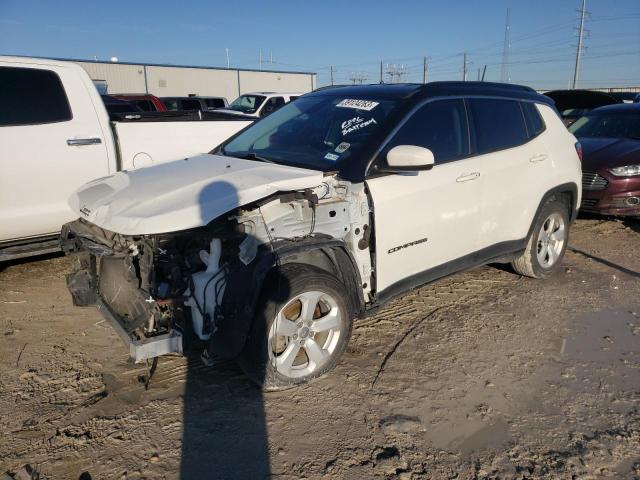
566, 197
337, 262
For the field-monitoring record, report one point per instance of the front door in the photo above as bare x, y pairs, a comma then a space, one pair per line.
423, 220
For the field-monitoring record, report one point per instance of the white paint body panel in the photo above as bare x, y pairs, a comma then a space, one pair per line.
40, 171
183, 194
429, 204
146, 143
496, 203
268, 96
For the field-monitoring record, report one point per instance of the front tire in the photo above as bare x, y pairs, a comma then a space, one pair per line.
547, 242
301, 328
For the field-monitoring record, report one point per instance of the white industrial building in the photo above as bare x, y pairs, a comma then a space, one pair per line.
178, 80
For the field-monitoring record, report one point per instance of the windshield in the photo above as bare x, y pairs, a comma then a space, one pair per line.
247, 103
614, 125
313, 132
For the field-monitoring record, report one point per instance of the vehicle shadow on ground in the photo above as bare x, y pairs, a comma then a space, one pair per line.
224, 426
631, 223
21, 261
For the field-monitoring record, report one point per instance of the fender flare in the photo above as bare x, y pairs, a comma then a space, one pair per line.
570, 188
245, 282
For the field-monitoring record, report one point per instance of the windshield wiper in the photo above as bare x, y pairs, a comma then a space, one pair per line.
252, 156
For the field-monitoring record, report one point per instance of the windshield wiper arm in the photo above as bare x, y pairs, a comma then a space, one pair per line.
253, 156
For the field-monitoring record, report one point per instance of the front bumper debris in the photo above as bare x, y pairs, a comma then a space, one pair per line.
142, 349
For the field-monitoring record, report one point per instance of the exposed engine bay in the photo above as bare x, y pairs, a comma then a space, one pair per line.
165, 292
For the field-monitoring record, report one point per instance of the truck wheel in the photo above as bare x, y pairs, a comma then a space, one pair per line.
301, 328
547, 243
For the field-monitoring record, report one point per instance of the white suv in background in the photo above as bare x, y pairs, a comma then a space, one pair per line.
267, 248
259, 104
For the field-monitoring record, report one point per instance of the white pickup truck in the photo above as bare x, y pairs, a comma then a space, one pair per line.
55, 135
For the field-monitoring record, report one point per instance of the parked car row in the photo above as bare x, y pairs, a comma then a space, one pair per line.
258, 104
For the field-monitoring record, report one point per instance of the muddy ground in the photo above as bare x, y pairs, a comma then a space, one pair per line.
482, 375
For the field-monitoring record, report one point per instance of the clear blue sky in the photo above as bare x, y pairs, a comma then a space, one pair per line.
351, 35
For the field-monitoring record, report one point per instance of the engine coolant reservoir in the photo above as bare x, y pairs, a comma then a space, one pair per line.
205, 284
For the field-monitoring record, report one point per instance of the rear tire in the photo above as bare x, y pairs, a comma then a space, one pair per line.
301, 328
547, 243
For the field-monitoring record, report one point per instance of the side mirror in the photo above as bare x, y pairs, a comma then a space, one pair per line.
409, 158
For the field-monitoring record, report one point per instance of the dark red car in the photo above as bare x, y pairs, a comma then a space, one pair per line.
610, 139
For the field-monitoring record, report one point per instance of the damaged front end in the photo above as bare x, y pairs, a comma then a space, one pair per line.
166, 293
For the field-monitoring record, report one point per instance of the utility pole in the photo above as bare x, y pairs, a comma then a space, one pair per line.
381, 79
464, 68
260, 59
425, 63
228, 63
504, 70
576, 72
331, 71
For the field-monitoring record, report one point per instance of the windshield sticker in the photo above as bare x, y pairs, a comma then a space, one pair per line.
343, 147
366, 105
356, 123
332, 156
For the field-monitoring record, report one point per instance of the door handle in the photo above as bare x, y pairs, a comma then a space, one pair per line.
538, 158
468, 177
79, 142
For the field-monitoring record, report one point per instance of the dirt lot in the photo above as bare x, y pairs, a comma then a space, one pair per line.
481, 375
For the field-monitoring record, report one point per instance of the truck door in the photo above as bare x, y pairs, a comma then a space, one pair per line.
51, 142
424, 220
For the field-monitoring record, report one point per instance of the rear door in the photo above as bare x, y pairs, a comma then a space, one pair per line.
51, 143
513, 164
423, 220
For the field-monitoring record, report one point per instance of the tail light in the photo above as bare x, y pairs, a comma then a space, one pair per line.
579, 150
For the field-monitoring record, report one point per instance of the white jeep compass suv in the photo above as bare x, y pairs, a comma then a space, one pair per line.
266, 249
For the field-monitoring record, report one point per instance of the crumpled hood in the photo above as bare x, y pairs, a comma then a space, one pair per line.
605, 152
183, 194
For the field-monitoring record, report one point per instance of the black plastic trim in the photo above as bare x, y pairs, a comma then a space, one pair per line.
475, 259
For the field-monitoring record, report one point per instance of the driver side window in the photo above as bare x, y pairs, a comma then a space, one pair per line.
272, 105
440, 126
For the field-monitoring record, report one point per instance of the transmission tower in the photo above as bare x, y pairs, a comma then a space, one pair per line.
396, 72
581, 31
358, 78
504, 70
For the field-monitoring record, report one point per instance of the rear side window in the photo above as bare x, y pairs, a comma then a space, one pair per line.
498, 124
30, 96
441, 127
532, 118
145, 105
215, 103
190, 105
170, 103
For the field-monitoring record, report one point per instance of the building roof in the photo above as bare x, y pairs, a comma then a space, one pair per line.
143, 64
